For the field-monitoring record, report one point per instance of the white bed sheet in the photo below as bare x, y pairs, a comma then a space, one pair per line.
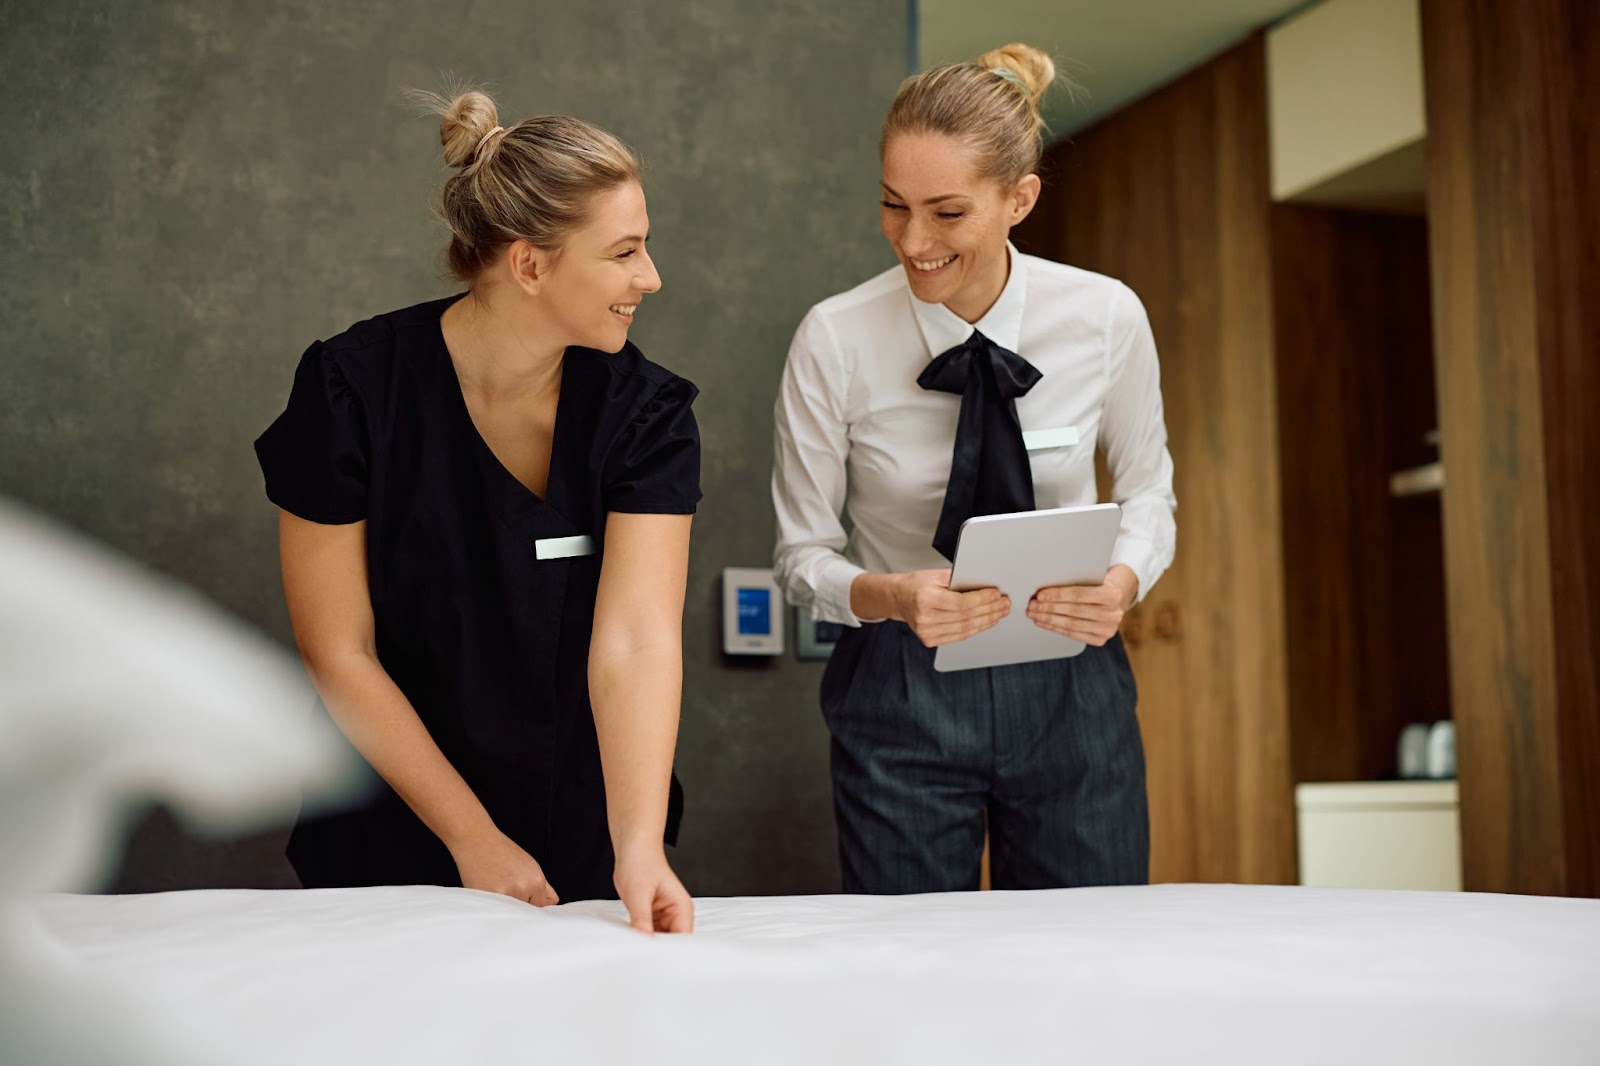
1160, 974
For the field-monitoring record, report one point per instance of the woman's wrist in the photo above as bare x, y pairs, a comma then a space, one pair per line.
467, 831
1127, 582
639, 848
876, 597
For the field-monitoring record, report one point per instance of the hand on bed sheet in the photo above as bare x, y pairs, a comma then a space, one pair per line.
494, 863
1090, 613
656, 900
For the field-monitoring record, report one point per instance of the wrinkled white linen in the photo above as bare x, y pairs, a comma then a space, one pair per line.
1171, 973
118, 688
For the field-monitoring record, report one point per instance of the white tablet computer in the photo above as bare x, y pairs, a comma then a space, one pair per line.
1020, 554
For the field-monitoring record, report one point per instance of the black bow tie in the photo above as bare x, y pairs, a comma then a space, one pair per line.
989, 471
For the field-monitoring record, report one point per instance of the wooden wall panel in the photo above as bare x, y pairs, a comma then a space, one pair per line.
1363, 572
1514, 219
1171, 196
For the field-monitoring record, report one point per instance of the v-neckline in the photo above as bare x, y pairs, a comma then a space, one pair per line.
460, 396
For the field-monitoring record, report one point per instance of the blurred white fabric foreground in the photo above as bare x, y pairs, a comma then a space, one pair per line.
119, 689
1160, 974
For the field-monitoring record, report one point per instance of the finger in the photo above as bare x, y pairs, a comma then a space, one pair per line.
926, 620
988, 623
951, 636
640, 912
1077, 594
949, 628
676, 916
977, 598
1075, 607
944, 599
1064, 623
1088, 634
1061, 612
977, 623
984, 618
936, 636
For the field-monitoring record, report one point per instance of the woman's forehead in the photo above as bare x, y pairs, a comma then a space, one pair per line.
924, 165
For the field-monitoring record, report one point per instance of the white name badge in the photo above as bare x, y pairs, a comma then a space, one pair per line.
563, 547
1038, 439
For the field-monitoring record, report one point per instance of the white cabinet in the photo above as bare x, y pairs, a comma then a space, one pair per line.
1380, 834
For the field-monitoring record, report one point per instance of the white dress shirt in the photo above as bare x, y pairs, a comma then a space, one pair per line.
857, 438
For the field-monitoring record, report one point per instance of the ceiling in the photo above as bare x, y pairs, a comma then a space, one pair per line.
1116, 50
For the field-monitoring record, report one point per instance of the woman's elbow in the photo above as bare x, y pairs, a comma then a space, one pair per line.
622, 646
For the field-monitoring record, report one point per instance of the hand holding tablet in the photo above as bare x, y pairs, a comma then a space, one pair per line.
1020, 554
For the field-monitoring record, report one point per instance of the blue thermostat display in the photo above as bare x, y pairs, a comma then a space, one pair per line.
755, 612
752, 612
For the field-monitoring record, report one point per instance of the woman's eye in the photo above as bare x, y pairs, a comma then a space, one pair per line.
951, 214
892, 207
625, 255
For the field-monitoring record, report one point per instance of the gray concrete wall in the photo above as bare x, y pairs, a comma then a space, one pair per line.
193, 190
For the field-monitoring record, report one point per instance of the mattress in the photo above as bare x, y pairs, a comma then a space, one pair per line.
1170, 973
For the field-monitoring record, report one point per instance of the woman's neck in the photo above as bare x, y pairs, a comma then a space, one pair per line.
972, 303
498, 348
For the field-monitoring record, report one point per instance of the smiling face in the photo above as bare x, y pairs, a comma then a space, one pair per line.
593, 286
948, 223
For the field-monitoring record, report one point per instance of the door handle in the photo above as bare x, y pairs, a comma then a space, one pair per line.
1169, 621
1133, 626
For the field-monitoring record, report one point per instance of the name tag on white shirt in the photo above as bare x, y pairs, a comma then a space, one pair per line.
1038, 439
563, 547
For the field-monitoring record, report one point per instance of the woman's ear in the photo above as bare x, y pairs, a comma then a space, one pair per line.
529, 266
1024, 194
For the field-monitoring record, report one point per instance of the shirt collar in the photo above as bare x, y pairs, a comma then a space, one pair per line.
943, 329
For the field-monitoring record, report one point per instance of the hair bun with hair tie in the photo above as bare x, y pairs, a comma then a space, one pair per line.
1010, 75
483, 142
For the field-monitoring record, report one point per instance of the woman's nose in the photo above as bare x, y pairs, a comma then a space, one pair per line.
914, 238
650, 278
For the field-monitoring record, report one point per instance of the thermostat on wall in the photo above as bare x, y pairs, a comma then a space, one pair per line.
752, 612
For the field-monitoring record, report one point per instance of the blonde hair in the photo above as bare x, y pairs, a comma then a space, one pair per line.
990, 104
533, 181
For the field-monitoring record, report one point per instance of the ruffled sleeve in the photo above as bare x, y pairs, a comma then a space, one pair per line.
655, 466
314, 455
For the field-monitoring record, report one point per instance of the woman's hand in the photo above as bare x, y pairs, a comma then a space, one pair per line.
492, 862
656, 900
1090, 613
924, 601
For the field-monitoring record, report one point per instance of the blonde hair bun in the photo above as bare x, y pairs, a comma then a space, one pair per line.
465, 119
1035, 69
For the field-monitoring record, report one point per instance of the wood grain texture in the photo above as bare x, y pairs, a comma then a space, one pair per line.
1171, 196
1363, 578
1514, 229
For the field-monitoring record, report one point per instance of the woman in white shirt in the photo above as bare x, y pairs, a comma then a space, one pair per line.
878, 381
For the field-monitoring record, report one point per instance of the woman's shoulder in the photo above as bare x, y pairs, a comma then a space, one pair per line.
1064, 277
883, 290
374, 348
873, 310
631, 380
1064, 286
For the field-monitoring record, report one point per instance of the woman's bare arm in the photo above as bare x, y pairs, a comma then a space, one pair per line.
635, 685
330, 608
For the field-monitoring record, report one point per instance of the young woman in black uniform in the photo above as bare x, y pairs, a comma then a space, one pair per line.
485, 508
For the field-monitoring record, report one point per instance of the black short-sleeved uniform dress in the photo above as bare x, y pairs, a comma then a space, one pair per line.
483, 618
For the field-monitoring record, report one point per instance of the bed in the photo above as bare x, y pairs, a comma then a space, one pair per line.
1159, 974
118, 689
